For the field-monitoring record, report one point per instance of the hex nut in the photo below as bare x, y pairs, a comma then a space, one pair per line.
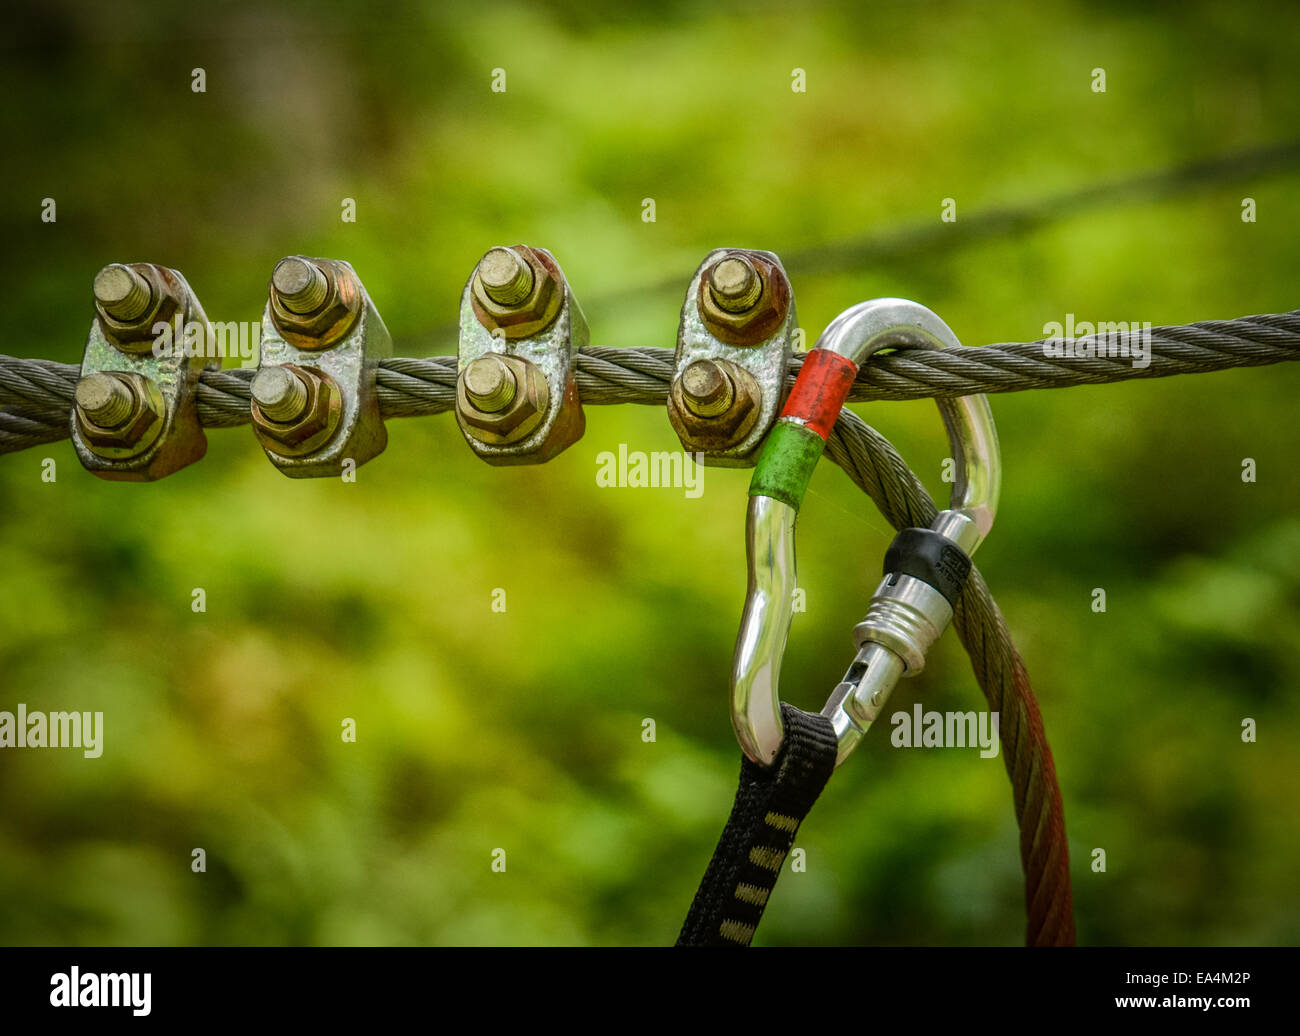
536, 312
517, 420
720, 431
331, 319
760, 321
316, 425
137, 432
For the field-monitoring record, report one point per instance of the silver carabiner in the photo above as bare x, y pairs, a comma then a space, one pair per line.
907, 614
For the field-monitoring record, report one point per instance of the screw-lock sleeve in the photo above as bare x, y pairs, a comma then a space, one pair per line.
930, 557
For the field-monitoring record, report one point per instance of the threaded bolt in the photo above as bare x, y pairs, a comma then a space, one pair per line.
300, 285
105, 400
490, 384
706, 389
122, 293
735, 284
280, 394
506, 276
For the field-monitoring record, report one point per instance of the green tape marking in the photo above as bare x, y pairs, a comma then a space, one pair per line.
786, 464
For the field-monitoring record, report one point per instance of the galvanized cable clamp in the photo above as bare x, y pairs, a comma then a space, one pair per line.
734, 342
134, 417
520, 332
314, 406
925, 569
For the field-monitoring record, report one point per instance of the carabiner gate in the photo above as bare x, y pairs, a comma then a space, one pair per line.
924, 568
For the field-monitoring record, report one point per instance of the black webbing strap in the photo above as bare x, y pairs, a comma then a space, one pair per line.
771, 803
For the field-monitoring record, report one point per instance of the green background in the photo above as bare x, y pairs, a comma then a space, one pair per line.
522, 730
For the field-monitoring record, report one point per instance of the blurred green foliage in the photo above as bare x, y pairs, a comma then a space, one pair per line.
522, 730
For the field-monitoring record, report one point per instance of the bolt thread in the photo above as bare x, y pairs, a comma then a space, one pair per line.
300, 285
105, 400
735, 284
122, 293
706, 389
280, 393
490, 384
506, 276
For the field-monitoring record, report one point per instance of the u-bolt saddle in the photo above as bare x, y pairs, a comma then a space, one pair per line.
924, 568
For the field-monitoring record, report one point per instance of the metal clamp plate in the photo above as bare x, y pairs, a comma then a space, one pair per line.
156, 356
537, 338
340, 353
734, 341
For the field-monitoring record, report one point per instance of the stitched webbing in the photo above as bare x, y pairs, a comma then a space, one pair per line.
771, 803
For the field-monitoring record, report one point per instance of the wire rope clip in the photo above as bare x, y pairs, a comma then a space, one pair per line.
134, 418
314, 406
520, 331
734, 341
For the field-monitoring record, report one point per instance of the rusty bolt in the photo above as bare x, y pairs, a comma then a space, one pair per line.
119, 414
300, 284
518, 290
706, 389
280, 393
695, 410
314, 302
734, 284
513, 420
731, 308
105, 400
507, 278
490, 384
311, 419
122, 293
132, 300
